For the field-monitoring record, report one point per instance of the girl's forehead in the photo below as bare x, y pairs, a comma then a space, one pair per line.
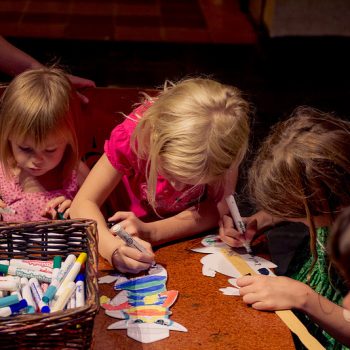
52, 139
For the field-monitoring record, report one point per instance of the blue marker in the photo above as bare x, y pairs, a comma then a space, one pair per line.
12, 309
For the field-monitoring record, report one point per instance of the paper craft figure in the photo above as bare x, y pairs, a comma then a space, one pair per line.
216, 261
143, 303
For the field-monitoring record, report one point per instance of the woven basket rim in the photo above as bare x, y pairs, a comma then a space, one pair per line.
29, 323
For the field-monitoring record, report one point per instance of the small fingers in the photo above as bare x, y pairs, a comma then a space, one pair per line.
127, 259
121, 215
82, 98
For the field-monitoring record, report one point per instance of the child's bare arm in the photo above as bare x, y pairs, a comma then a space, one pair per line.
101, 181
83, 172
273, 293
189, 222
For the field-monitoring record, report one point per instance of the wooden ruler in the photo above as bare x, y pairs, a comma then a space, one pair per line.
287, 316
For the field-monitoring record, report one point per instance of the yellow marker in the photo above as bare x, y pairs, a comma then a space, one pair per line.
64, 297
287, 316
72, 273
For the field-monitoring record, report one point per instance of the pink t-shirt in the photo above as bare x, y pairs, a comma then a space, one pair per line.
124, 160
29, 205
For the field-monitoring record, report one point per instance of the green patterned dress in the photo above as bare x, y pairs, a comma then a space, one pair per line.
324, 282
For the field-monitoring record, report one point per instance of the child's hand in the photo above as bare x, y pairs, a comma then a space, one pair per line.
233, 237
57, 208
131, 260
273, 293
130, 223
2, 204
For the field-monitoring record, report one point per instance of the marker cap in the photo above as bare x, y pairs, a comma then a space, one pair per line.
80, 277
49, 294
45, 309
19, 306
82, 258
30, 309
57, 261
4, 268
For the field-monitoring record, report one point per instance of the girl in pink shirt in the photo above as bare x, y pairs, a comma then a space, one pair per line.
40, 171
174, 154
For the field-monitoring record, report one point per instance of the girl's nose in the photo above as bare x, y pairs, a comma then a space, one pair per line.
37, 160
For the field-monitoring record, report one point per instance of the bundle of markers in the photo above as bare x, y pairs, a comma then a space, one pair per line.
29, 286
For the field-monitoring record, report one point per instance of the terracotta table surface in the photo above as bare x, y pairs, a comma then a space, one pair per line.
213, 320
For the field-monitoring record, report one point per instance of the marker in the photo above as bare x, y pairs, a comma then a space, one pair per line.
38, 265
12, 309
80, 291
63, 299
9, 300
72, 273
37, 293
9, 283
72, 301
7, 210
57, 263
27, 295
230, 200
56, 282
117, 229
41, 275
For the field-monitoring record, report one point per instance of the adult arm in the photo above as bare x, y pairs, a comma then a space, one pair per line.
14, 61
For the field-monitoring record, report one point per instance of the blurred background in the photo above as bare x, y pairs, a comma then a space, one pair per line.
281, 53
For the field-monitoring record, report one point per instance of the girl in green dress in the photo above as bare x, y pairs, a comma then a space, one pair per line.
301, 174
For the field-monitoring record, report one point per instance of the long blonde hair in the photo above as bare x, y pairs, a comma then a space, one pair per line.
36, 103
193, 130
303, 168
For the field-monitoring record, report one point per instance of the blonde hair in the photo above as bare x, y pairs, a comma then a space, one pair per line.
36, 103
303, 169
193, 130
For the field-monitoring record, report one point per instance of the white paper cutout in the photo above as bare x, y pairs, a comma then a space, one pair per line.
230, 291
215, 261
233, 281
144, 304
108, 278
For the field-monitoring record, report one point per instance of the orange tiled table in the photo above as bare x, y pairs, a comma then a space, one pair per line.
213, 320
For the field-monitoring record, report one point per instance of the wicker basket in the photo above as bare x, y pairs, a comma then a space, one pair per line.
68, 329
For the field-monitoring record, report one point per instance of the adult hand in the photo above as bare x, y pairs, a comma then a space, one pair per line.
81, 84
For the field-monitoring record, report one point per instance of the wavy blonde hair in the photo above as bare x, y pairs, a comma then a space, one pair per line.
193, 131
36, 103
303, 169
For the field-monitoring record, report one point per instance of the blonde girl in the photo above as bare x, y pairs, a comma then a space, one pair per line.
40, 171
301, 174
172, 153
